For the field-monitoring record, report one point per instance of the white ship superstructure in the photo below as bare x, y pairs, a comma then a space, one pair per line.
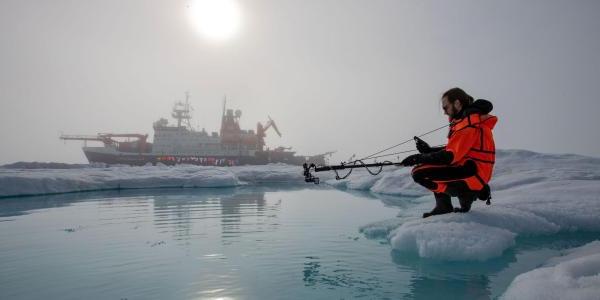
180, 143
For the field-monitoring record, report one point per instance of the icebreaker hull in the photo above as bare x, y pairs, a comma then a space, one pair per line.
100, 155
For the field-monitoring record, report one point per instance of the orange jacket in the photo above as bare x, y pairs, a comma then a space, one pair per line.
471, 138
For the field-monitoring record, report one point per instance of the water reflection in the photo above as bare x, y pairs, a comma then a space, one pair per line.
235, 207
433, 279
22, 205
248, 242
239, 212
19, 206
433, 288
174, 211
397, 201
357, 284
149, 243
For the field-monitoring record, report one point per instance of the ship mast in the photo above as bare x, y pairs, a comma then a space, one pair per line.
181, 111
223, 115
224, 103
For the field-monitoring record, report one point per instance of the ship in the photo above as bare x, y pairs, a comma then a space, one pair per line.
181, 144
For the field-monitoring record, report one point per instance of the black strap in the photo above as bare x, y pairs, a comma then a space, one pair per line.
483, 151
480, 179
480, 138
481, 160
488, 201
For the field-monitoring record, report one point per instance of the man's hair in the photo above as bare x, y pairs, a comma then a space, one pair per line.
457, 94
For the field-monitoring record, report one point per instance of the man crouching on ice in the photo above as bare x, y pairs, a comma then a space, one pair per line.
464, 166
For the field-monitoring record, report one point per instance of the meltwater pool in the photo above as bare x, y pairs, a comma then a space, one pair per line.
248, 242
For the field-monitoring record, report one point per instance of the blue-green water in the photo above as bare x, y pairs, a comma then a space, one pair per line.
239, 243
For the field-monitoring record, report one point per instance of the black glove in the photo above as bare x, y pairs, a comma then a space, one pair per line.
412, 160
434, 158
422, 146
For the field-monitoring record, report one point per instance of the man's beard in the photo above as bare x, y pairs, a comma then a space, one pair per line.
455, 114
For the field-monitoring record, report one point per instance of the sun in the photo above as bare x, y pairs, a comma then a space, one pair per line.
215, 19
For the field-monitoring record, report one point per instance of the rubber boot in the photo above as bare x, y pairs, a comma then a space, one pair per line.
443, 205
485, 193
465, 201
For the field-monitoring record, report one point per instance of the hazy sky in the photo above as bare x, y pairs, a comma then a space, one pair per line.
346, 75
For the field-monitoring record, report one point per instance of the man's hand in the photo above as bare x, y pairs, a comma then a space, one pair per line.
412, 160
422, 146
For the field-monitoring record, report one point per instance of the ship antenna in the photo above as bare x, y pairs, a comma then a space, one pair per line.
188, 109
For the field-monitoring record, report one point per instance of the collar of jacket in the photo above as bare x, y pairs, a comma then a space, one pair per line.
471, 120
474, 120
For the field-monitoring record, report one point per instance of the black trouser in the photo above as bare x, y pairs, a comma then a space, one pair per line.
454, 174
456, 187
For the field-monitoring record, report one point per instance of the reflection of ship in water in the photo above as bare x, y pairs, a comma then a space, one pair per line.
244, 214
182, 144
239, 213
232, 208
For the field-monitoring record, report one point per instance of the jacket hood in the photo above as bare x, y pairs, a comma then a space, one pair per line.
483, 108
479, 106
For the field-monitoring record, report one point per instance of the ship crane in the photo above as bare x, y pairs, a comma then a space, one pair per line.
84, 138
261, 131
108, 139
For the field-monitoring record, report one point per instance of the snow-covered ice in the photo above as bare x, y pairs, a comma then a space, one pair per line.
574, 275
452, 241
19, 182
533, 194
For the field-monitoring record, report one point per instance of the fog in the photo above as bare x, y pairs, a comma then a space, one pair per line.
348, 75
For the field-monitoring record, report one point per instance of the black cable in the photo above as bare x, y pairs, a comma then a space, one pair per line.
424, 134
401, 152
337, 176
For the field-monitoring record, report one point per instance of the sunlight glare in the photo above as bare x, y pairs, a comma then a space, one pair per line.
216, 19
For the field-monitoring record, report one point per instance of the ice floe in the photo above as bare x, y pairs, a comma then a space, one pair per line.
28, 181
575, 275
534, 194
452, 241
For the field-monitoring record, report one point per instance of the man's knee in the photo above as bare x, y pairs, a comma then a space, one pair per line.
420, 178
417, 176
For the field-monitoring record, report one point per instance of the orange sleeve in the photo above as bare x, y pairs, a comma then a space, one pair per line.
461, 142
